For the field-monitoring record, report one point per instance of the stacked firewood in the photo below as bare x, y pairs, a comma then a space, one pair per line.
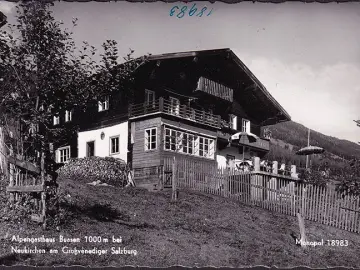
112, 171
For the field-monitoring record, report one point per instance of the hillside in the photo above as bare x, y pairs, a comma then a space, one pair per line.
296, 134
197, 230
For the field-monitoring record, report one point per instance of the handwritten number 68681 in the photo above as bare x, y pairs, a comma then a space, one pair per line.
192, 11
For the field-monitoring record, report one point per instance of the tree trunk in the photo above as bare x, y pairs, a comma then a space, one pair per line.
3, 160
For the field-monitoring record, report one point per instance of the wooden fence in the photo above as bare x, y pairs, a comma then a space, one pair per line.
26, 178
271, 191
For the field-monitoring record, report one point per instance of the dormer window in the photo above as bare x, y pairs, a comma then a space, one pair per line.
68, 116
246, 126
104, 104
56, 120
233, 121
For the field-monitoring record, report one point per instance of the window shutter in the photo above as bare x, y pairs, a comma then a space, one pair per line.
57, 156
248, 126
235, 122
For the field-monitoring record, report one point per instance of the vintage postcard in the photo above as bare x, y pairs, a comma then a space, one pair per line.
189, 134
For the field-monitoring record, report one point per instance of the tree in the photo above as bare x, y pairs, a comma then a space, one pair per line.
350, 176
43, 73
357, 122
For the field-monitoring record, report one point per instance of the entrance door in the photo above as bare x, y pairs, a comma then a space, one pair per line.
90, 149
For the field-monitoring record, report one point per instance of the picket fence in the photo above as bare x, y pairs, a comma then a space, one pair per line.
270, 191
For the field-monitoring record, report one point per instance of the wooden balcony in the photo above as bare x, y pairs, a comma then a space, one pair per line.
163, 106
261, 143
215, 89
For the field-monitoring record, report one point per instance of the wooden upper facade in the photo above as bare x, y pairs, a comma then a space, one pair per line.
212, 91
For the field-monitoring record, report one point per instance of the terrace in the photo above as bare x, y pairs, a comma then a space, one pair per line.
168, 107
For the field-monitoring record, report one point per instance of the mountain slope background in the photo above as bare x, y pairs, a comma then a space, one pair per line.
288, 137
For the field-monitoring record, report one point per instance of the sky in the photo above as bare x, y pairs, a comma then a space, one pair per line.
306, 55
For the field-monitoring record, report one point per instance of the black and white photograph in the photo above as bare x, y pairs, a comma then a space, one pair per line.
194, 134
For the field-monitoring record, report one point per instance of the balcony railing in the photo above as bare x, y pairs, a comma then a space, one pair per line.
179, 110
260, 143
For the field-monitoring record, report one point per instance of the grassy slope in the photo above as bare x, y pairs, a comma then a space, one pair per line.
197, 230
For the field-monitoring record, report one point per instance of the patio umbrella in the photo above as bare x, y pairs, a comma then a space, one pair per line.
310, 150
241, 135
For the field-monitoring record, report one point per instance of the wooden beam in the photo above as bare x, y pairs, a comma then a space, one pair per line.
174, 180
349, 209
24, 164
36, 188
302, 230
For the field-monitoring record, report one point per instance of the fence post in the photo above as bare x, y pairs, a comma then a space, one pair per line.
160, 174
272, 182
174, 180
293, 172
292, 188
302, 230
256, 164
225, 181
257, 181
303, 201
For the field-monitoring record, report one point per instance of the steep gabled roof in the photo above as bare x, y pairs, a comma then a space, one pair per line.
260, 88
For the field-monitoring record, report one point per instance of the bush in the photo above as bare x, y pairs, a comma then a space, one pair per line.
108, 170
349, 181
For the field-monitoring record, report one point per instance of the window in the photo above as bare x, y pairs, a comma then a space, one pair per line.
206, 147
150, 139
187, 143
56, 120
170, 139
104, 104
63, 154
174, 106
68, 116
233, 121
114, 145
150, 98
201, 147
90, 149
245, 126
179, 137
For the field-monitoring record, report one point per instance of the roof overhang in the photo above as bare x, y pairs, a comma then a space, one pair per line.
253, 83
